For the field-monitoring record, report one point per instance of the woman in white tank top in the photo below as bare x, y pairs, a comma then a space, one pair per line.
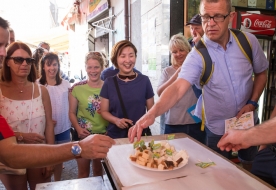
26, 107
58, 91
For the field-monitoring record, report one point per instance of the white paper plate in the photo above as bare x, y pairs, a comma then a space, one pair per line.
182, 164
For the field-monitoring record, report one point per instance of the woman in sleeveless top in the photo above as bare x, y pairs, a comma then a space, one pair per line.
26, 107
58, 91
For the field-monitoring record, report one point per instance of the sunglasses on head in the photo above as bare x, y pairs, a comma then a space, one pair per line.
20, 60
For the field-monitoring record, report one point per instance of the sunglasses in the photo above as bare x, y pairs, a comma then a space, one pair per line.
20, 60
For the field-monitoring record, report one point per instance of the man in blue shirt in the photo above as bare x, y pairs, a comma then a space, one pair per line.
230, 91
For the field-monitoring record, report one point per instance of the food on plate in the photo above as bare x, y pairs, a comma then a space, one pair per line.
161, 155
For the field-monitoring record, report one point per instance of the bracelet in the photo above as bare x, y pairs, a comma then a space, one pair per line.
255, 104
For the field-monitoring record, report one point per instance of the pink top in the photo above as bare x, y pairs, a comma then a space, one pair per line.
17, 113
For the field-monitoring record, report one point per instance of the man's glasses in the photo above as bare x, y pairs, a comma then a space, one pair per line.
216, 18
20, 60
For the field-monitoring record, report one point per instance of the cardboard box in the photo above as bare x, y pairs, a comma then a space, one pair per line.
261, 4
270, 4
239, 3
252, 3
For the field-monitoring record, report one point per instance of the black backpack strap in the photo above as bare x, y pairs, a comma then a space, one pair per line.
243, 43
208, 66
120, 96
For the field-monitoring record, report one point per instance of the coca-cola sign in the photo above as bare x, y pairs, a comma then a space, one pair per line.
254, 23
262, 24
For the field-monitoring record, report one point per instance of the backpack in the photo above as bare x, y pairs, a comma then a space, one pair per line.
208, 66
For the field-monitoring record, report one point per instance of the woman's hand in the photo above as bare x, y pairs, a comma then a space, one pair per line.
33, 138
123, 123
82, 132
47, 172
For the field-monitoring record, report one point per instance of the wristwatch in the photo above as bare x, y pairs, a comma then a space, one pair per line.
20, 137
255, 104
76, 150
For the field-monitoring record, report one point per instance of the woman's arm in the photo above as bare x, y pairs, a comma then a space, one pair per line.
163, 86
73, 105
150, 103
122, 123
49, 126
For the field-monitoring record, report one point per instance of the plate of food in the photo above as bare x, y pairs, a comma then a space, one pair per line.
160, 156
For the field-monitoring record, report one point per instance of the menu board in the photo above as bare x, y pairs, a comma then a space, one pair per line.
244, 122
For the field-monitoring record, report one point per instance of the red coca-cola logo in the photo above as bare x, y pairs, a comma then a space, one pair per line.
247, 23
262, 24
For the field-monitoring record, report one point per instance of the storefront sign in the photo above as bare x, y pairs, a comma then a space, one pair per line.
254, 23
96, 7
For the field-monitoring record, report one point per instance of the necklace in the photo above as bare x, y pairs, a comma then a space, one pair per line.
124, 77
20, 90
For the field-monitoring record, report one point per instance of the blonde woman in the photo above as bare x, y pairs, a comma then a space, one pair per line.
177, 119
84, 109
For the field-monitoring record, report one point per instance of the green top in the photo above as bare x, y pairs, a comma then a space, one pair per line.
88, 106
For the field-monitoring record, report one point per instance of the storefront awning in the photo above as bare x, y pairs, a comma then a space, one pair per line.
57, 37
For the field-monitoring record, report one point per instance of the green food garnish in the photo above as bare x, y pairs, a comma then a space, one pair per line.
156, 146
169, 152
156, 155
136, 144
171, 137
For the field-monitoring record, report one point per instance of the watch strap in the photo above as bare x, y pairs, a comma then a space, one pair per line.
255, 104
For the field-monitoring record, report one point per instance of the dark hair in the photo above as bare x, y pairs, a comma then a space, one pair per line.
4, 23
41, 43
11, 30
118, 48
228, 3
48, 59
37, 55
6, 71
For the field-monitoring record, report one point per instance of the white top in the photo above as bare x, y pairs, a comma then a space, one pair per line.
17, 114
178, 114
60, 106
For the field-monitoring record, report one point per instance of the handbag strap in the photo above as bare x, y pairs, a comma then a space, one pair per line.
120, 96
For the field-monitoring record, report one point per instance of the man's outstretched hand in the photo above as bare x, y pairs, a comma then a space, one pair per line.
233, 140
95, 146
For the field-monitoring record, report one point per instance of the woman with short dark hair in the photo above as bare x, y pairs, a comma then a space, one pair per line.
135, 89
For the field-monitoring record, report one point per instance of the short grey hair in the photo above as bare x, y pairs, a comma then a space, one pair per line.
228, 3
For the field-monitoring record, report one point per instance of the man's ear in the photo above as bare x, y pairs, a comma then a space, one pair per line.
231, 16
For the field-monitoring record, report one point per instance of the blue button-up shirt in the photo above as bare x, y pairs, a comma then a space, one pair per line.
230, 85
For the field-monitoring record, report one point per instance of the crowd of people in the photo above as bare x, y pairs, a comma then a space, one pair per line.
38, 107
